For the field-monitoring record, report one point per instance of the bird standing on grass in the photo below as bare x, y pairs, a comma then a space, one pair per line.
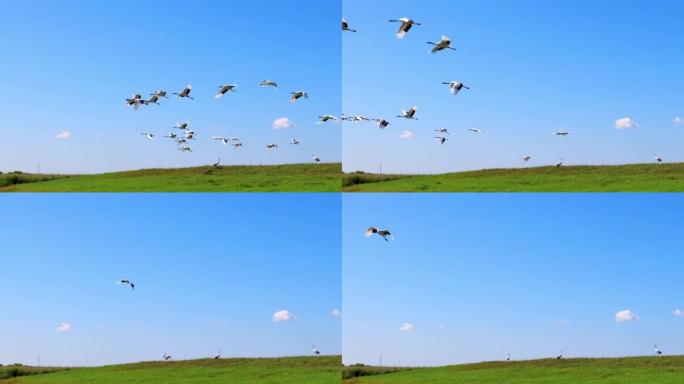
315, 159
560, 164
384, 233
217, 164
218, 355
560, 355
166, 356
658, 159
657, 351
316, 352
406, 25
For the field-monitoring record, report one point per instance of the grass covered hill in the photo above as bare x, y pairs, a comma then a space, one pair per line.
287, 370
619, 178
630, 370
325, 177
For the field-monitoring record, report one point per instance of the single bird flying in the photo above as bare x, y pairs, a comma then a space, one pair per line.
298, 95
345, 26
268, 83
455, 86
126, 282
384, 233
444, 43
409, 114
223, 89
185, 93
406, 25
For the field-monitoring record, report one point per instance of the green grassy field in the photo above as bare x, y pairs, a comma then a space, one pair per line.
620, 178
288, 370
633, 370
276, 178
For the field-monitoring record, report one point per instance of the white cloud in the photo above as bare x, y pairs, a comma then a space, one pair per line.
626, 315
441, 328
99, 328
64, 135
406, 135
283, 315
679, 313
678, 121
64, 327
283, 123
626, 123
336, 313
406, 327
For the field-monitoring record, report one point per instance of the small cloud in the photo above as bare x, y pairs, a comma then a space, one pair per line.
283, 315
406, 135
64, 135
626, 315
336, 313
99, 328
441, 328
283, 123
626, 123
562, 322
678, 121
679, 313
406, 327
64, 327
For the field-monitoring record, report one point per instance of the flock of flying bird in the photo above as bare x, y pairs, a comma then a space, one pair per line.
187, 134
166, 356
455, 87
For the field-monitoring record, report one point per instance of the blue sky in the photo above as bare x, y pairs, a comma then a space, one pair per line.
479, 276
68, 66
534, 67
210, 272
